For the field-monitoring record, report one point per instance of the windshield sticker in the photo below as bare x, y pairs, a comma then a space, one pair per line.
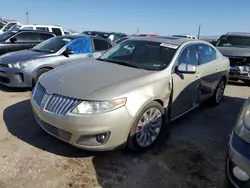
169, 45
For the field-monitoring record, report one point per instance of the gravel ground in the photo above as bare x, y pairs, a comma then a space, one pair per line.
191, 154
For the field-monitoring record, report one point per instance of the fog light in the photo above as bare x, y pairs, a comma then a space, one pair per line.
240, 174
101, 138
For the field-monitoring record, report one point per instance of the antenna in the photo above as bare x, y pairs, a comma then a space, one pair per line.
199, 32
27, 18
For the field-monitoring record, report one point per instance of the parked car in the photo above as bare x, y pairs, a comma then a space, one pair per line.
11, 41
112, 36
238, 159
23, 68
57, 30
236, 46
7, 26
186, 36
127, 94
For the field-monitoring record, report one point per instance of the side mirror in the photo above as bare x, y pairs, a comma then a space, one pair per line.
214, 42
67, 52
186, 68
13, 40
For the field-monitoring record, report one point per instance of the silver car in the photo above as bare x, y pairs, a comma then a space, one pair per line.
23, 68
238, 159
128, 94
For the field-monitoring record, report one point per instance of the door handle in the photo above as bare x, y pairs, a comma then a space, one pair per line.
90, 55
198, 75
217, 68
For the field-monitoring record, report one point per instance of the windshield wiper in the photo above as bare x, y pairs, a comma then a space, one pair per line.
119, 62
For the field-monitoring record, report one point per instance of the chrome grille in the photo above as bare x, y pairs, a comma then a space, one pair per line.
61, 105
64, 135
38, 94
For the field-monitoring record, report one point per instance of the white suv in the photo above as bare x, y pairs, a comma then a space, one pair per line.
57, 30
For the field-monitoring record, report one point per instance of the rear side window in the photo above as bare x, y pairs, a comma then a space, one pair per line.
206, 53
100, 45
27, 37
189, 56
42, 29
45, 36
57, 31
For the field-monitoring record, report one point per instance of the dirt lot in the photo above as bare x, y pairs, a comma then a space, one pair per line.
192, 153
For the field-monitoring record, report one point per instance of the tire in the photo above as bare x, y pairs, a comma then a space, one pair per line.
39, 73
247, 82
154, 127
215, 99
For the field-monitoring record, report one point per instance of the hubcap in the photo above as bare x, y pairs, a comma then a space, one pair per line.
148, 127
220, 91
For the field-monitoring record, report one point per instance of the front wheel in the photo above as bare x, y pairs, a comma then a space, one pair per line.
218, 93
147, 127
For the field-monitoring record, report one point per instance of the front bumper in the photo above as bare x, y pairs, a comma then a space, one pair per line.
239, 75
15, 77
239, 155
71, 127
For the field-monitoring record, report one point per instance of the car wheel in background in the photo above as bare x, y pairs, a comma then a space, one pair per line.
147, 127
39, 73
218, 93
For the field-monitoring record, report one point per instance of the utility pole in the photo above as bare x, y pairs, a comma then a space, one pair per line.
199, 31
137, 32
27, 18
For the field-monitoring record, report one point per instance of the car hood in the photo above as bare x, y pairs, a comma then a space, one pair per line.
234, 51
82, 79
23, 55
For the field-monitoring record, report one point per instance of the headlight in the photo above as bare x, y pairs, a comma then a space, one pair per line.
94, 107
242, 128
20, 65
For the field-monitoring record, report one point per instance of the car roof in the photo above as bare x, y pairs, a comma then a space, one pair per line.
165, 39
237, 34
33, 31
31, 25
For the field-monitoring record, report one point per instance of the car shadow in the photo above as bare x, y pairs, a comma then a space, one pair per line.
236, 83
21, 123
16, 90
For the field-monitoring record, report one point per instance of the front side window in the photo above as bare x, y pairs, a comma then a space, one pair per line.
234, 41
140, 54
57, 31
189, 56
45, 36
52, 45
100, 45
206, 53
27, 37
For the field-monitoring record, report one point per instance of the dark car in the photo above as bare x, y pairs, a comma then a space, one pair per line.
238, 158
112, 36
236, 46
11, 41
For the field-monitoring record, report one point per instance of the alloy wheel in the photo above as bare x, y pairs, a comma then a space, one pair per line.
220, 91
149, 127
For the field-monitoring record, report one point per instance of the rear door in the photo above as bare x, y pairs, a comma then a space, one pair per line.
24, 40
210, 72
185, 94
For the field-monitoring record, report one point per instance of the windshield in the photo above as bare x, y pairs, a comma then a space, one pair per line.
234, 41
147, 55
6, 35
52, 45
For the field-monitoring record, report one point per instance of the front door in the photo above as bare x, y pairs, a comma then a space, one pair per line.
185, 95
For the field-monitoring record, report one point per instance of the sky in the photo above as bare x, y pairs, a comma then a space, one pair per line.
164, 17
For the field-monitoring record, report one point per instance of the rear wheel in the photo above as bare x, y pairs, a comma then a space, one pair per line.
147, 127
39, 73
218, 93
